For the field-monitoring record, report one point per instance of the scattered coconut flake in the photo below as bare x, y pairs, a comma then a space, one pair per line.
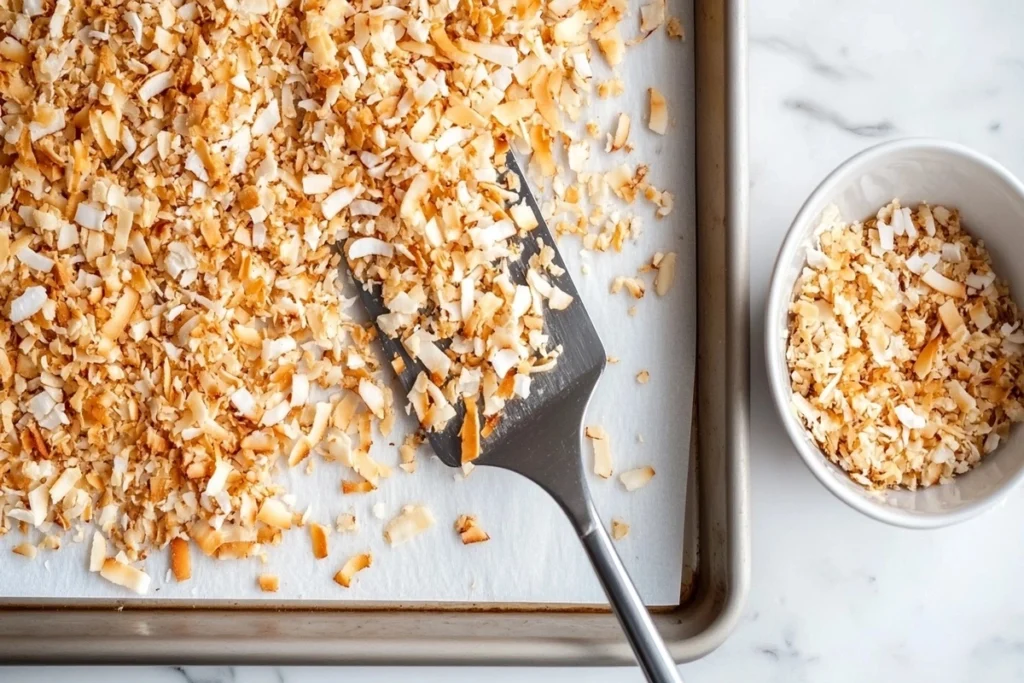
267, 120
268, 583
243, 402
909, 418
412, 521
316, 183
181, 560
274, 513
666, 274
619, 529
941, 283
469, 433
602, 450
125, 575
64, 483
636, 478
98, 552
318, 537
346, 522
469, 530
25, 550
657, 119
355, 564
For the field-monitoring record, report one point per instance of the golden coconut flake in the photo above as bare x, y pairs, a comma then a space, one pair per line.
181, 560
657, 119
637, 478
318, 537
602, 450
125, 575
468, 529
352, 566
470, 433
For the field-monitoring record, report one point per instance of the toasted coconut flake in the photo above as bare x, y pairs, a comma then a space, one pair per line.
218, 479
637, 478
602, 450
346, 522
98, 552
926, 359
410, 522
39, 504
274, 513
909, 418
619, 529
979, 316
348, 487
354, 565
181, 560
64, 483
236, 550
25, 550
244, 402
470, 433
333, 204
643, 377
318, 537
559, 300
125, 575
666, 274
951, 318
316, 183
657, 119
372, 396
612, 47
633, 285
155, 84
941, 283
675, 29
468, 529
964, 401
621, 133
268, 583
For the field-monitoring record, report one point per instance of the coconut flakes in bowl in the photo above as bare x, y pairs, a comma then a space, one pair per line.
904, 348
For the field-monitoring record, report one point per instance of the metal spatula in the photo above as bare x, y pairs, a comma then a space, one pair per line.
541, 438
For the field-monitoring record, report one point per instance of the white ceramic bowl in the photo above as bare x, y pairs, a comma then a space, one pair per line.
991, 201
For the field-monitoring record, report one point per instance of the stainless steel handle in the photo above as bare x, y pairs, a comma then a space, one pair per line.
643, 636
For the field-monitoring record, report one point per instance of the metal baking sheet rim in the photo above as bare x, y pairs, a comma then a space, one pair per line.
717, 517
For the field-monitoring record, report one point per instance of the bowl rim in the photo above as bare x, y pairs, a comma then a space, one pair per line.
778, 383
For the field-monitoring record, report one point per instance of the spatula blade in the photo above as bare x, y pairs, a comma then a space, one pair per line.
581, 359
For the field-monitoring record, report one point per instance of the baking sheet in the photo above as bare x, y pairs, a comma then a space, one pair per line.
533, 555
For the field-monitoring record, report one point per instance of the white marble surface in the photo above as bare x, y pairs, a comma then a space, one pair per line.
836, 597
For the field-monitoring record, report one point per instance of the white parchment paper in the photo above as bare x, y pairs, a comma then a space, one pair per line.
533, 554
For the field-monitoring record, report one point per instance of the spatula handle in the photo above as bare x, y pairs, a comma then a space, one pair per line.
643, 636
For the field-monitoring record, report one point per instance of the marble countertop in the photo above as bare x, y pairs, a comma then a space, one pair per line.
836, 596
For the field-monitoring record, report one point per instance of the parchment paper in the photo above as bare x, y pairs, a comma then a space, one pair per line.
533, 554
